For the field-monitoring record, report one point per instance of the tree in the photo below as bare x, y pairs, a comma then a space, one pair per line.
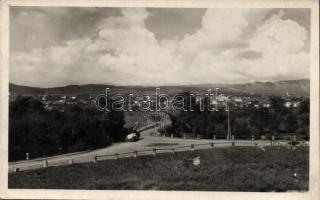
43, 133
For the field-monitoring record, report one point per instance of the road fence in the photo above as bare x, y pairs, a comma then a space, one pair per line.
45, 162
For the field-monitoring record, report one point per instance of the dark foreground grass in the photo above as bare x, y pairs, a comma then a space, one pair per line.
221, 169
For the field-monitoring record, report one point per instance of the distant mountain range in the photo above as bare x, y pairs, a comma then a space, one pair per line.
294, 87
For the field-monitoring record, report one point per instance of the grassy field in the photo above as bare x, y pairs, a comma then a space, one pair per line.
220, 169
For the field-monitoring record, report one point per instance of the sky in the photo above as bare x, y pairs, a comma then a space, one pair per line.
52, 47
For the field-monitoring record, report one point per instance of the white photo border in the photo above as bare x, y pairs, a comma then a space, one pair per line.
314, 176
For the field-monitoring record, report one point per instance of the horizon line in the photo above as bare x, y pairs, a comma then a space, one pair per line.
263, 81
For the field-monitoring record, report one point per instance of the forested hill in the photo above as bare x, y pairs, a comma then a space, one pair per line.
294, 87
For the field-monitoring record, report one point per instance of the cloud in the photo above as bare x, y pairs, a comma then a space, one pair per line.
247, 45
281, 43
279, 36
41, 27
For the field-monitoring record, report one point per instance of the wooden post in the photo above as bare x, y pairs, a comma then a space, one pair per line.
95, 159
27, 156
192, 147
214, 137
71, 161
212, 144
154, 152
135, 154
171, 135
272, 139
116, 156
252, 137
233, 143
173, 151
45, 163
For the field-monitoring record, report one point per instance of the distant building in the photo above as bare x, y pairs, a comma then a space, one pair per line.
288, 104
222, 98
238, 100
296, 104
214, 102
44, 98
48, 107
266, 105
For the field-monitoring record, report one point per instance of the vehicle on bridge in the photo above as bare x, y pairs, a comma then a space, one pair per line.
133, 136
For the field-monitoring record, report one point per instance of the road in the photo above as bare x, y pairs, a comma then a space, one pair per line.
148, 142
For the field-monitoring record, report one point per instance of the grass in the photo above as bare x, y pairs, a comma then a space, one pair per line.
221, 169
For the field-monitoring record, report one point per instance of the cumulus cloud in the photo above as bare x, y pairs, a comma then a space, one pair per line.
279, 36
240, 47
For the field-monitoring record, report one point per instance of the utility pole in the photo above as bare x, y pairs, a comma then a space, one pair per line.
229, 129
216, 99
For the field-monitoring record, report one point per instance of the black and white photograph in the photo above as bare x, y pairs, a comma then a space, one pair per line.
127, 98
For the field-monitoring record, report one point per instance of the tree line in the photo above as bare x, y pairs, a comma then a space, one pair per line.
40, 132
277, 120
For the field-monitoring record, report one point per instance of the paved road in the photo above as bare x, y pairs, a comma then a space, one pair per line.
148, 142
